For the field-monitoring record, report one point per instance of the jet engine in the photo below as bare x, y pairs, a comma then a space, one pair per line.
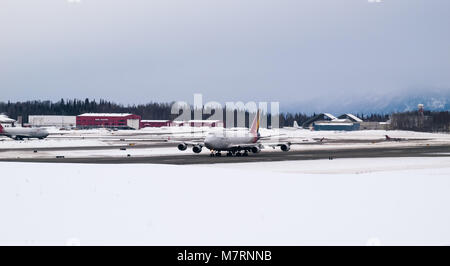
285, 147
197, 149
182, 147
256, 149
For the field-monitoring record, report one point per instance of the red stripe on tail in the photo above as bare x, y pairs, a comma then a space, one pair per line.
255, 125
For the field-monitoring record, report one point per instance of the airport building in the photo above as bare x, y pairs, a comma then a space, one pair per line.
107, 120
155, 123
320, 117
52, 121
94, 120
375, 125
205, 123
326, 121
335, 125
191, 123
351, 117
365, 125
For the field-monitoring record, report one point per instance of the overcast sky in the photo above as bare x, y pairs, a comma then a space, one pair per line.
136, 51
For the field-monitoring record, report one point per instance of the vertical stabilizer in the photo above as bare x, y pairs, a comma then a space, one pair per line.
255, 125
295, 124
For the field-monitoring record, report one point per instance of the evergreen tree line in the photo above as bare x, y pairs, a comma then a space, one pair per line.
150, 111
74, 107
428, 122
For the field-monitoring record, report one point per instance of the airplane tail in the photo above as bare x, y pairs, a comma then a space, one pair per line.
1, 128
255, 125
295, 124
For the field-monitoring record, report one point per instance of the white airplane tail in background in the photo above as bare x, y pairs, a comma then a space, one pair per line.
295, 124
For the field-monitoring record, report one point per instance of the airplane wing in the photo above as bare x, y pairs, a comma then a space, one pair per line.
168, 132
189, 143
277, 144
271, 136
307, 141
197, 146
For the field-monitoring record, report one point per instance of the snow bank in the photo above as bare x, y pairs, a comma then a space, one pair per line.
264, 204
345, 166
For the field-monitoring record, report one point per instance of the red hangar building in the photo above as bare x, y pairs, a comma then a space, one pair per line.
92, 120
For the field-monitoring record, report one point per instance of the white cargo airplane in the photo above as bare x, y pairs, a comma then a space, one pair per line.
20, 133
233, 143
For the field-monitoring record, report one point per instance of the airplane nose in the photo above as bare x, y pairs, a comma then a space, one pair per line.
208, 142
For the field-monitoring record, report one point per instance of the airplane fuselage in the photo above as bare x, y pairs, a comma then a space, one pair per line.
228, 143
24, 133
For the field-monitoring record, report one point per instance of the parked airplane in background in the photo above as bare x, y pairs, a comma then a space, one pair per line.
393, 139
294, 126
20, 133
233, 142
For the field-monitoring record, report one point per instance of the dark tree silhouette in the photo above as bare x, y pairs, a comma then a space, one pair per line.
430, 121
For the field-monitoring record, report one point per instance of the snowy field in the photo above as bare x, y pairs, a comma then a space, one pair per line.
387, 201
98, 153
50, 143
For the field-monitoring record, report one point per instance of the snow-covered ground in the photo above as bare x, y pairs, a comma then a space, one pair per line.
384, 201
365, 134
50, 143
97, 153
344, 166
308, 139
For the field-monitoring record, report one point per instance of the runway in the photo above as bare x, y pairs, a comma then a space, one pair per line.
204, 158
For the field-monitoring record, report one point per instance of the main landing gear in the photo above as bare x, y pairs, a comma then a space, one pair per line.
229, 154
215, 154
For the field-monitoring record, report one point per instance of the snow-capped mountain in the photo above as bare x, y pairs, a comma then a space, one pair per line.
373, 103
